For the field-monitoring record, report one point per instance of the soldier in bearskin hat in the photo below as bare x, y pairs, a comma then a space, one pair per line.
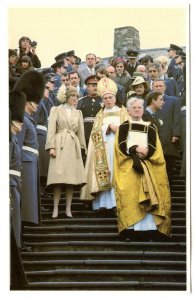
32, 84
17, 101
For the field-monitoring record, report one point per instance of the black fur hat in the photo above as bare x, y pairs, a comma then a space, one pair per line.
17, 101
32, 84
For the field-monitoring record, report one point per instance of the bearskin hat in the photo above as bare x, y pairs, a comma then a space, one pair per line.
32, 84
17, 101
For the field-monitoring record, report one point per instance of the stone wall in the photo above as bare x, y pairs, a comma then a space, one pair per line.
125, 38
128, 37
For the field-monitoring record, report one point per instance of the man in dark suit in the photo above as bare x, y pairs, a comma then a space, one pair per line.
169, 134
155, 102
74, 80
132, 61
172, 53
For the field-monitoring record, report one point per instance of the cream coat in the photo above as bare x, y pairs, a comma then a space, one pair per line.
66, 136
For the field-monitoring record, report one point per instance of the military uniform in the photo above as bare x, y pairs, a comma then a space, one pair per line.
41, 120
28, 142
90, 106
172, 68
131, 67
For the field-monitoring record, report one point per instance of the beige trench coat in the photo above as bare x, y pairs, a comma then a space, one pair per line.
66, 136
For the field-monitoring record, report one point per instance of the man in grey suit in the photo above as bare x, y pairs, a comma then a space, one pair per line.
89, 70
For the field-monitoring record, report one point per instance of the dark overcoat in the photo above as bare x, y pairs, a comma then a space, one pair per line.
171, 87
170, 114
15, 188
172, 69
41, 120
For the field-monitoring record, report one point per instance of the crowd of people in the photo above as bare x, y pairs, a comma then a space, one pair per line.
113, 130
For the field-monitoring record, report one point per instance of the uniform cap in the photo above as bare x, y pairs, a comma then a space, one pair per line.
132, 53
61, 56
91, 79
57, 64
174, 47
71, 53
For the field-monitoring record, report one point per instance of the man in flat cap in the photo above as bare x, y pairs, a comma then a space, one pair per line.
132, 61
90, 105
172, 68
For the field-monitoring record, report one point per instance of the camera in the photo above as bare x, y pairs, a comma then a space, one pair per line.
33, 44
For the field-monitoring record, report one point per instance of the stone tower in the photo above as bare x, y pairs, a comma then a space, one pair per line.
125, 38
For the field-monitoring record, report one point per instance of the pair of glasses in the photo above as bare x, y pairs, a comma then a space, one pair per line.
64, 80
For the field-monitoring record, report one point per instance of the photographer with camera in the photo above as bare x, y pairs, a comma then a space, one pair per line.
27, 47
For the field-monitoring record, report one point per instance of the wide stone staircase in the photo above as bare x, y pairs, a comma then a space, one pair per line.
86, 252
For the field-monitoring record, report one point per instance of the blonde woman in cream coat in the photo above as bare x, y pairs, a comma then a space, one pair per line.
66, 145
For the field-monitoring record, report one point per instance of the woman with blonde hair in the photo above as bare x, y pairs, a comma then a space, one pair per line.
66, 143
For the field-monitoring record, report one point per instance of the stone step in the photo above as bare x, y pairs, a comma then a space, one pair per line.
93, 220
82, 236
109, 285
178, 202
86, 252
84, 228
105, 264
114, 245
80, 253
178, 212
100, 275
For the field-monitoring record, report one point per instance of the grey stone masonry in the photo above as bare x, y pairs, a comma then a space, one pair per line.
125, 38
